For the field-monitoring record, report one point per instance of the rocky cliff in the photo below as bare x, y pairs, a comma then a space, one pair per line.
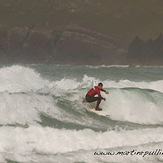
73, 44
80, 32
146, 53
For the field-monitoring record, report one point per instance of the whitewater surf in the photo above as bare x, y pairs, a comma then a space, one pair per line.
43, 118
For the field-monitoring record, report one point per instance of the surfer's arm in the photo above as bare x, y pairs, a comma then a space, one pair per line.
99, 95
105, 91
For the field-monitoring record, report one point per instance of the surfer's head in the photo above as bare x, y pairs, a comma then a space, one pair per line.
100, 85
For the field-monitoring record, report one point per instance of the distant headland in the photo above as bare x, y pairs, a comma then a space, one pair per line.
81, 32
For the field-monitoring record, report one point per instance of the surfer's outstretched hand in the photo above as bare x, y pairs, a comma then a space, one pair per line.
107, 92
104, 99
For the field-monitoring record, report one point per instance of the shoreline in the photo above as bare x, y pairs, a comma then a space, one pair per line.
87, 65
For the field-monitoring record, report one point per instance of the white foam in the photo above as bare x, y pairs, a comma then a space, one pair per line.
36, 139
106, 66
134, 106
67, 84
25, 108
20, 79
87, 82
155, 85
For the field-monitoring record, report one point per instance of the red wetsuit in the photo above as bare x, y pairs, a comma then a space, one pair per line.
94, 91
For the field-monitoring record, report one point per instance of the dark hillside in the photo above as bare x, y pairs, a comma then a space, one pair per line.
59, 31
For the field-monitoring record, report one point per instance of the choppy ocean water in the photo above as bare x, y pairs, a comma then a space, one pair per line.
44, 120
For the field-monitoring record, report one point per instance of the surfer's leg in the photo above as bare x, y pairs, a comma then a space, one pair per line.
91, 99
97, 105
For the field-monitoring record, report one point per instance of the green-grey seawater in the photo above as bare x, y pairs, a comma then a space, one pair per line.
44, 120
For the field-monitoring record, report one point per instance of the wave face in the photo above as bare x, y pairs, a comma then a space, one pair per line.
43, 118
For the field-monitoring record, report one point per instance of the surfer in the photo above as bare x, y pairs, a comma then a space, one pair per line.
90, 96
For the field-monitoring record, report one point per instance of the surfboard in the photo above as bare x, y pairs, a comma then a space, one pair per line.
101, 113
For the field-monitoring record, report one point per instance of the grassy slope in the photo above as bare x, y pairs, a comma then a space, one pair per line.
121, 19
